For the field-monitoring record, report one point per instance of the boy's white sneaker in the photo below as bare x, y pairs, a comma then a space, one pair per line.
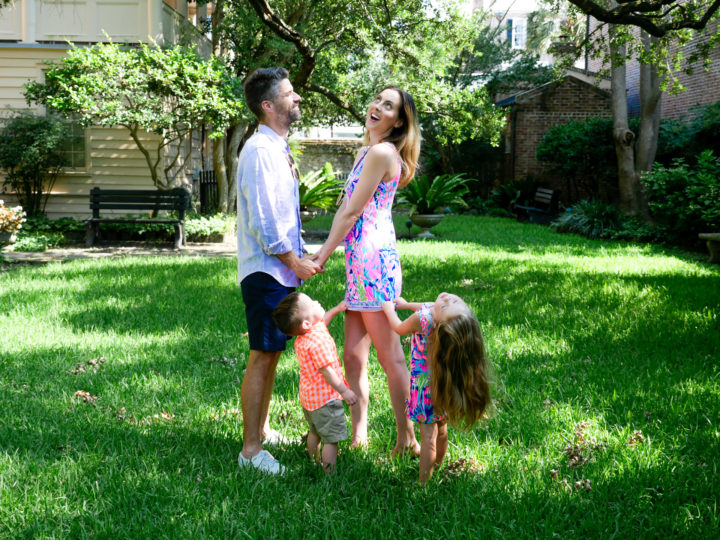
263, 461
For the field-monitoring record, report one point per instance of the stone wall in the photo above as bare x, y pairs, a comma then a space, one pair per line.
339, 152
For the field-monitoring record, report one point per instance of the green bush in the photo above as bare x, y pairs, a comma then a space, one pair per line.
320, 189
203, 226
583, 154
30, 155
591, 218
685, 199
37, 241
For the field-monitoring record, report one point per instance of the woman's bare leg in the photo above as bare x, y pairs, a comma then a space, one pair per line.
392, 359
355, 358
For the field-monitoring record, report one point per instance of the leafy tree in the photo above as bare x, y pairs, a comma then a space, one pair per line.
653, 33
340, 53
30, 154
166, 92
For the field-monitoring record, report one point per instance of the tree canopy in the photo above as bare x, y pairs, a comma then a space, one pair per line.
164, 91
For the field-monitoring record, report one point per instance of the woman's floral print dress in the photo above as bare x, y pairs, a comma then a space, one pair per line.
420, 405
372, 264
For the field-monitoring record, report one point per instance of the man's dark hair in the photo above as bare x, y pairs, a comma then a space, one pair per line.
261, 85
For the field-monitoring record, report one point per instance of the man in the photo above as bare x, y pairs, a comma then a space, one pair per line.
270, 249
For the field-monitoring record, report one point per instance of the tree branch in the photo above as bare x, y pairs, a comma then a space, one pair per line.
345, 105
645, 15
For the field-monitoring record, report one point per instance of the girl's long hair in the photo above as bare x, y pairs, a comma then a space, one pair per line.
459, 370
406, 138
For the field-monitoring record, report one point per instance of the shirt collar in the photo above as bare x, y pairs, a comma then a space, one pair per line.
270, 132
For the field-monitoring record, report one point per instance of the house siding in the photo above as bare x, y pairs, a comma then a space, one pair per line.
113, 160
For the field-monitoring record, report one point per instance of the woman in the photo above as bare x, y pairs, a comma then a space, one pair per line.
373, 275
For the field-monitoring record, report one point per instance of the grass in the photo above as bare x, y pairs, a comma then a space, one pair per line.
606, 359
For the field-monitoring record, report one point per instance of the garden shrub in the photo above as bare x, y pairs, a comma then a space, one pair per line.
590, 218
596, 219
30, 153
583, 154
685, 198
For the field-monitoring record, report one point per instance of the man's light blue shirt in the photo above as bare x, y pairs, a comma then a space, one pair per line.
268, 208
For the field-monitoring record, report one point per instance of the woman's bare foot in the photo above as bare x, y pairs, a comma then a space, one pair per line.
412, 450
362, 444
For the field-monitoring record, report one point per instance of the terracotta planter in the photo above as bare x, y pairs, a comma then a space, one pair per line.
426, 222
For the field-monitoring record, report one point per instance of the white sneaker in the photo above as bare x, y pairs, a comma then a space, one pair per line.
275, 438
262, 461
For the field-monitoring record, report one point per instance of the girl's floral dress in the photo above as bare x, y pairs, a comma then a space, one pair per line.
420, 405
372, 264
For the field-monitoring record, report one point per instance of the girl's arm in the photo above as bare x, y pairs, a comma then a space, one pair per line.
334, 311
403, 328
401, 303
378, 163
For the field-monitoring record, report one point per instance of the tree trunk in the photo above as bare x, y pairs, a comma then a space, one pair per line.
631, 197
218, 153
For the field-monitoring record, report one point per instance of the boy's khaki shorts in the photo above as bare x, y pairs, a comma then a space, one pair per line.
328, 422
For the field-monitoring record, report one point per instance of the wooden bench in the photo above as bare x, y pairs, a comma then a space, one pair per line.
542, 209
713, 244
134, 201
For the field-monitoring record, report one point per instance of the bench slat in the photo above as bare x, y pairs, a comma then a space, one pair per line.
134, 200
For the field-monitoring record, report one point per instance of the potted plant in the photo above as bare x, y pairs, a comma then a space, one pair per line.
429, 200
319, 190
11, 220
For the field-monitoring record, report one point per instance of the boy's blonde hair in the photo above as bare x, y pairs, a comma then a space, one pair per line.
459, 370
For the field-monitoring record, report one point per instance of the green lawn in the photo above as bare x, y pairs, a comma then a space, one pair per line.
606, 357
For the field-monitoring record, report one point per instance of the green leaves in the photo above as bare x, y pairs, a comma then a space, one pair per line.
425, 196
163, 91
320, 189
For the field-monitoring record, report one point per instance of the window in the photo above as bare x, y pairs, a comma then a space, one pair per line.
516, 33
73, 147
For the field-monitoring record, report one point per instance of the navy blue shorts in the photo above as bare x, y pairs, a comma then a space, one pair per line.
261, 294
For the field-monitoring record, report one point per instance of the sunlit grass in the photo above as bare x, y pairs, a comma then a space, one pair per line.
606, 420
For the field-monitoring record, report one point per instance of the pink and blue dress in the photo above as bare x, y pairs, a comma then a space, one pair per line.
372, 263
420, 405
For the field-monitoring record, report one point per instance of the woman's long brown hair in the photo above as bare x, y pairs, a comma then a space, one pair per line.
406, 137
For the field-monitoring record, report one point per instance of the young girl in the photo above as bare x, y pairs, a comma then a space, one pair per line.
448, 372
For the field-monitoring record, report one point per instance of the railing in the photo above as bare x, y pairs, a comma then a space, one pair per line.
205, 188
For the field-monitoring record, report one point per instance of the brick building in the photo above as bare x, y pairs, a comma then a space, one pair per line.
532, 113
702, 87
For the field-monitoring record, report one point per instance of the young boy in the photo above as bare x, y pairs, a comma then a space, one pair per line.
322, 385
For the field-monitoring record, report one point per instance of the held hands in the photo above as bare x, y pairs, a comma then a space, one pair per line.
306, 267
349, 396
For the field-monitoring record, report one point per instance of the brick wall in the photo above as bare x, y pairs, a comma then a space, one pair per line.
702, 87
537, 111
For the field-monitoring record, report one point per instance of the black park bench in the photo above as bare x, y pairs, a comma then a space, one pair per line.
134, 201
542, 209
